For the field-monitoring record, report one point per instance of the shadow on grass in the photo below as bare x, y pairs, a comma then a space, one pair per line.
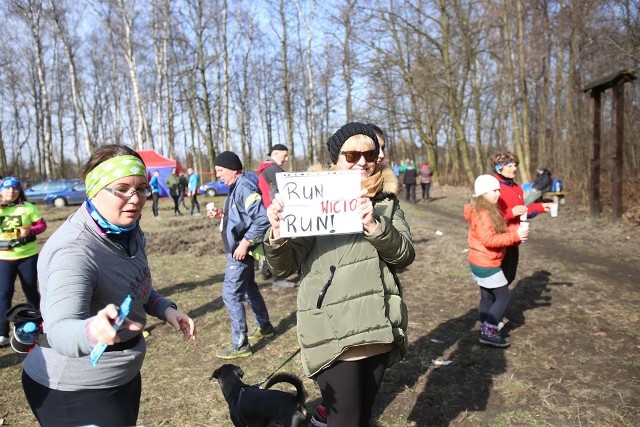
11, 359
464, 385
189, 286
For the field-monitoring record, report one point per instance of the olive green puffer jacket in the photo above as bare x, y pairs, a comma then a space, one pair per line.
349, 293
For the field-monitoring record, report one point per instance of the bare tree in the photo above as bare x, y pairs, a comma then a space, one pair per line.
286, 80
199, 29
309, 88
226, 131
31, 11
59, 17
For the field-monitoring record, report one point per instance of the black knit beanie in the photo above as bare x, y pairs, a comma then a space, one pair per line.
338, 139
229, 160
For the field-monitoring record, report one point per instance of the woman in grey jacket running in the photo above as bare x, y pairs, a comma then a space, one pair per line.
86, 269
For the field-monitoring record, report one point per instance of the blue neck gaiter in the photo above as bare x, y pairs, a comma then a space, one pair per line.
105, 225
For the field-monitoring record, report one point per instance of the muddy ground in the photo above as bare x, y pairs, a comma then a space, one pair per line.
573, 326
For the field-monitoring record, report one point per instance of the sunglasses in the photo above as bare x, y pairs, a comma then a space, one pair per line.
354, 156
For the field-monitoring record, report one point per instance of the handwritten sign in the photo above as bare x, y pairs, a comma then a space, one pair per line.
319, 203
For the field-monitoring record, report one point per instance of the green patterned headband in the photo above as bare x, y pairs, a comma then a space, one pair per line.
112, 169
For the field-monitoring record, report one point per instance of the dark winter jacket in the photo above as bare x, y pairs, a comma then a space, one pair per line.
542, 182
350, 294
410, 175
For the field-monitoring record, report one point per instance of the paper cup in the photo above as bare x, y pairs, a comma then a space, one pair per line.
523, 226
210, 206
554, 210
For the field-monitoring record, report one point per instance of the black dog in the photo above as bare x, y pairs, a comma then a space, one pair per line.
258, 407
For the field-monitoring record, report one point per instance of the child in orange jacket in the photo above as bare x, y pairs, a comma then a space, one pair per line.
488, 240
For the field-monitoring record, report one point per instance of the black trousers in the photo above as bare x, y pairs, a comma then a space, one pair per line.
115, 406
411, 192
154, 206
349, 390
26, 269
510, 263
176, 207
194, 202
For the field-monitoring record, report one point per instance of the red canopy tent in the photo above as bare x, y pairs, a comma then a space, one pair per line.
157, 162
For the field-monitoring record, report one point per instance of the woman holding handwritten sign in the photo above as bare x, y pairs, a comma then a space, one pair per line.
352, 320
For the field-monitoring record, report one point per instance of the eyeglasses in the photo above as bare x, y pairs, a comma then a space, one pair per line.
354, 156
126, 195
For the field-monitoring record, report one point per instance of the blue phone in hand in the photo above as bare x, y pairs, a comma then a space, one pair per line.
123, 312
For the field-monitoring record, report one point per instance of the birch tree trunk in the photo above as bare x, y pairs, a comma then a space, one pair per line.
226, 130
286, 82
309, 90
142, 128
62, 28
31, 12
202, 73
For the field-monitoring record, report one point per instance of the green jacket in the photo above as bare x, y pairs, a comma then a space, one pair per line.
362, 301
172, 182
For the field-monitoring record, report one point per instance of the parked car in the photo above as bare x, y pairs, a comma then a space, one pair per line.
37, 192
71, 196
219, 188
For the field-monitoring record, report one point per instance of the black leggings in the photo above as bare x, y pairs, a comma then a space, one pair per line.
349, 389
154, 206
115, 406
194, 202
26, 269
493, 304
176, 207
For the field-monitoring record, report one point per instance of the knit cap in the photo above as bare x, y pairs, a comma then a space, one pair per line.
337, 140
229, 160
278, 147
484, 184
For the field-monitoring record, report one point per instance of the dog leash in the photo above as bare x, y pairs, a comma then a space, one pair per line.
259, 385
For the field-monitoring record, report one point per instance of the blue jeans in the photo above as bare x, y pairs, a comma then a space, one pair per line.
240, 284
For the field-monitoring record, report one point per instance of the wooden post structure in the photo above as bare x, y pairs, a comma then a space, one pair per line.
615, 81
594, 201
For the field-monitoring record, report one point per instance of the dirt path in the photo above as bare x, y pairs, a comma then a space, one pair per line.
574, 322
573, 327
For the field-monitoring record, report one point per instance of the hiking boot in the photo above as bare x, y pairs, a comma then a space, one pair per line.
234, 353
258, 332
319, 417
495, 340
489, 335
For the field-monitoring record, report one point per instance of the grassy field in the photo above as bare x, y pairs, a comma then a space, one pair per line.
573, 325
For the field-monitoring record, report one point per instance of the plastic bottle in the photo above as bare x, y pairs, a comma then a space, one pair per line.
24, 335
524, 225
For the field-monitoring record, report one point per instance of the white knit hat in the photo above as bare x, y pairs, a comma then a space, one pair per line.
484, 184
